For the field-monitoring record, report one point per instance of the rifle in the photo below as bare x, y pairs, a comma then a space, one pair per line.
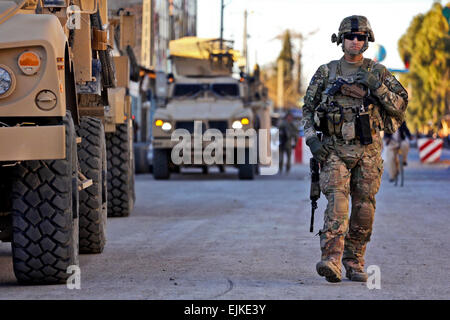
315, 188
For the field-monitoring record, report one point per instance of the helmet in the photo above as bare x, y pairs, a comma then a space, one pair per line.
354, 24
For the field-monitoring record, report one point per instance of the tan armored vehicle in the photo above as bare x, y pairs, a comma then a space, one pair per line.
203, 92
60, 172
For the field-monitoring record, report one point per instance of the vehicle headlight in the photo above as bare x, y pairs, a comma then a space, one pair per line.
237, 124
7, 81
166, 126
245, 121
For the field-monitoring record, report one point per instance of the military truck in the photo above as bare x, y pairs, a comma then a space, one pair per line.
202, 89
65, 133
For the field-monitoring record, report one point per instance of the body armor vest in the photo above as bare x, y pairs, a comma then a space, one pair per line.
346, 110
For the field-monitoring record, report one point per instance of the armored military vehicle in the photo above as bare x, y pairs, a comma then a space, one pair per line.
65, 133
203, 92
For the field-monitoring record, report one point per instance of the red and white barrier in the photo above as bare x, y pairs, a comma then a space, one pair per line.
299, 151
430, 150
302, 152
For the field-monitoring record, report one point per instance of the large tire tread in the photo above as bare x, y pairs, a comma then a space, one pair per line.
92, 159
45, 230
120, 172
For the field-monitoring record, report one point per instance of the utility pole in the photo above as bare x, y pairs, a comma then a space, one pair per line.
298, 76
280, 84
221, 24
302, 38
244, 47
171, 21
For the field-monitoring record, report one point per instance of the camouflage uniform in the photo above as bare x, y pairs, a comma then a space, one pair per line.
350, 168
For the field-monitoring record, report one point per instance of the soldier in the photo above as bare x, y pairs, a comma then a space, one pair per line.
288, 140
350, 101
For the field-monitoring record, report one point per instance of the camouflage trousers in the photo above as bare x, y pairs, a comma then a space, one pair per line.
349, 171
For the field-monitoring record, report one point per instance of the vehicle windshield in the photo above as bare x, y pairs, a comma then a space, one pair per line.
54, 3
225, 89
220, 90
186, 90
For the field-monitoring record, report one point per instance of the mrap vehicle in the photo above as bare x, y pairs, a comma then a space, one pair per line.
65, 132
202, 91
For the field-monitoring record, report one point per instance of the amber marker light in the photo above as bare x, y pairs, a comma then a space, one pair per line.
158, 123
245, 121
29, 62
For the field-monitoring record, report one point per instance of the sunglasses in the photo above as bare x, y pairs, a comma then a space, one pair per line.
351, 36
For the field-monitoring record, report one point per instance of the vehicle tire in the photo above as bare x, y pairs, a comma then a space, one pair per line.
246, 170
140, 157
257, 169
132, 172
106, 56
120, 171
175, 169
161, 164
93, 204
45, 216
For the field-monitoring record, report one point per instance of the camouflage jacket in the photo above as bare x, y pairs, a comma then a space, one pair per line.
391, 97
288, 134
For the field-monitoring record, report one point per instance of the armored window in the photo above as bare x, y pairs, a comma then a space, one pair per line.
54, 3
226, 89
187, 90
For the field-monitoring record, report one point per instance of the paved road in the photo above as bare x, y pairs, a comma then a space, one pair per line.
215, 237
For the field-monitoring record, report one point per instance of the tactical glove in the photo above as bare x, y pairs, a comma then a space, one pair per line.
317, 148
368, 79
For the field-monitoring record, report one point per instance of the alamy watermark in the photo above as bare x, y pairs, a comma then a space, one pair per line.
74, 280
73, 13
374, 278
235, 147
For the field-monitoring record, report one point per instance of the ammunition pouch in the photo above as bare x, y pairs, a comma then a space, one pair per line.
348, 131
347, 123
334, 123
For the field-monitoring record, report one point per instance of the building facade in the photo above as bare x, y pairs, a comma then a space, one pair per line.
157, 22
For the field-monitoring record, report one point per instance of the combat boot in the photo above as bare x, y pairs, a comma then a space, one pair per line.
329, 270
356, 274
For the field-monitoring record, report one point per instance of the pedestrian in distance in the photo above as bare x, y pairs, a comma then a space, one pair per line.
399, 141
350, 101
288, 134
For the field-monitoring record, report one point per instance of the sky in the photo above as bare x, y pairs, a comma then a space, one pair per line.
269, 18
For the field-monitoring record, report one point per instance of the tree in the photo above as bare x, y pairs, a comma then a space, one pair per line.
270, 75
286, 56
426, 46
